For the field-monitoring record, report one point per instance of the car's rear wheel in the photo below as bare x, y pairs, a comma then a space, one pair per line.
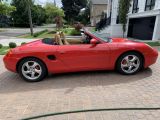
130, 63
32, 70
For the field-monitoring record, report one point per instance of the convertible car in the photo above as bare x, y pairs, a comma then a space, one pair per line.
33, 61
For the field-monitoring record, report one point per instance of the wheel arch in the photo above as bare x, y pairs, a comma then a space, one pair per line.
131, 51
30, 57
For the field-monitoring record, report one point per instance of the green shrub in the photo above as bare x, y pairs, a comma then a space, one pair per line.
65, 30
23, 43
39, 33
66, 26
75, 32
71, 31
12, 45
1, 46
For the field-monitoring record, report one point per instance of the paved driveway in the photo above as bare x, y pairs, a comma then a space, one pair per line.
107, 89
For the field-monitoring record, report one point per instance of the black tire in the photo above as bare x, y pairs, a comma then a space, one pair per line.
118, 64
43, 69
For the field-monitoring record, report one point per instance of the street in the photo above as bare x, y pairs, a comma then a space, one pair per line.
76, 91
14, 32
8, 35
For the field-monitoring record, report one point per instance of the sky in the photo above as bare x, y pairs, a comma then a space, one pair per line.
42, 2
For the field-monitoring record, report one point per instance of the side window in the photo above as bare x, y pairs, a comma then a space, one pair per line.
135, 6
150, 4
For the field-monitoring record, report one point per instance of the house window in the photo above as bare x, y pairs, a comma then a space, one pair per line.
135, 6
117, 21
150, 4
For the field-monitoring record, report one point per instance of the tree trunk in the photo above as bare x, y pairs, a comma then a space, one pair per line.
30, 19
123, 34
124, 29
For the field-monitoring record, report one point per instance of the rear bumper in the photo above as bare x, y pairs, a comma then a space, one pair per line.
10, 63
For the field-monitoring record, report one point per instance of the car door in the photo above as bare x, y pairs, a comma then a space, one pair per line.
84, 56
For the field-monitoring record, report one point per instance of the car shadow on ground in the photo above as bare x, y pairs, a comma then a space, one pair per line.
12, 83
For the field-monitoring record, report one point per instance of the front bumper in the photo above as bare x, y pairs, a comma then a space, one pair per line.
10, 63
151, 58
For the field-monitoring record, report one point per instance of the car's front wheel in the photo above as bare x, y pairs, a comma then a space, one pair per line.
32, 70
130, 63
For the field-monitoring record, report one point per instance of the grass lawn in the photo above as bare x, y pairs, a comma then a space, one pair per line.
43, 35
50, 34
153, 43
71, 32
4, 50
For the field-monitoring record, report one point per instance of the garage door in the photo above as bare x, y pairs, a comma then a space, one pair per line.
141, 28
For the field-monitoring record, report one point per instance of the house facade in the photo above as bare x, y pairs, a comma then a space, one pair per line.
97, 8
143, 20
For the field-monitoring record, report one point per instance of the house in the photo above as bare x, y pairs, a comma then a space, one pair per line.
143, 20
97, 8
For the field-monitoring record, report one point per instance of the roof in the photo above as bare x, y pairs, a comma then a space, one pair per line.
101, 2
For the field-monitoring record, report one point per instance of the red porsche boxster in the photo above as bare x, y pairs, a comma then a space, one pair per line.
33, 61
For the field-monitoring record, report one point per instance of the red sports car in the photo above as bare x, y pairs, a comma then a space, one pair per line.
33, 61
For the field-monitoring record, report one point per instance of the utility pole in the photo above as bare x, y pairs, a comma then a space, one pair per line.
55, 2
30, 19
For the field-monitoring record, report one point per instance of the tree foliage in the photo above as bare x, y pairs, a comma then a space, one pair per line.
29, 4
6, 9
84, 16
72, 8
21, 18
38, 15
52, 12
123, 12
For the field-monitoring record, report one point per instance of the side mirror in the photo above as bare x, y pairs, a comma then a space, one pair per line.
94, 41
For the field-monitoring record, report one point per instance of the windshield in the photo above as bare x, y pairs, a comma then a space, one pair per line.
101, 36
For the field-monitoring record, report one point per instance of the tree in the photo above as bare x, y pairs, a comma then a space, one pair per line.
21, 18
29, 4
6, 9
53, 13
123, 11
38, 15
72, 8
84, 15
23, 12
